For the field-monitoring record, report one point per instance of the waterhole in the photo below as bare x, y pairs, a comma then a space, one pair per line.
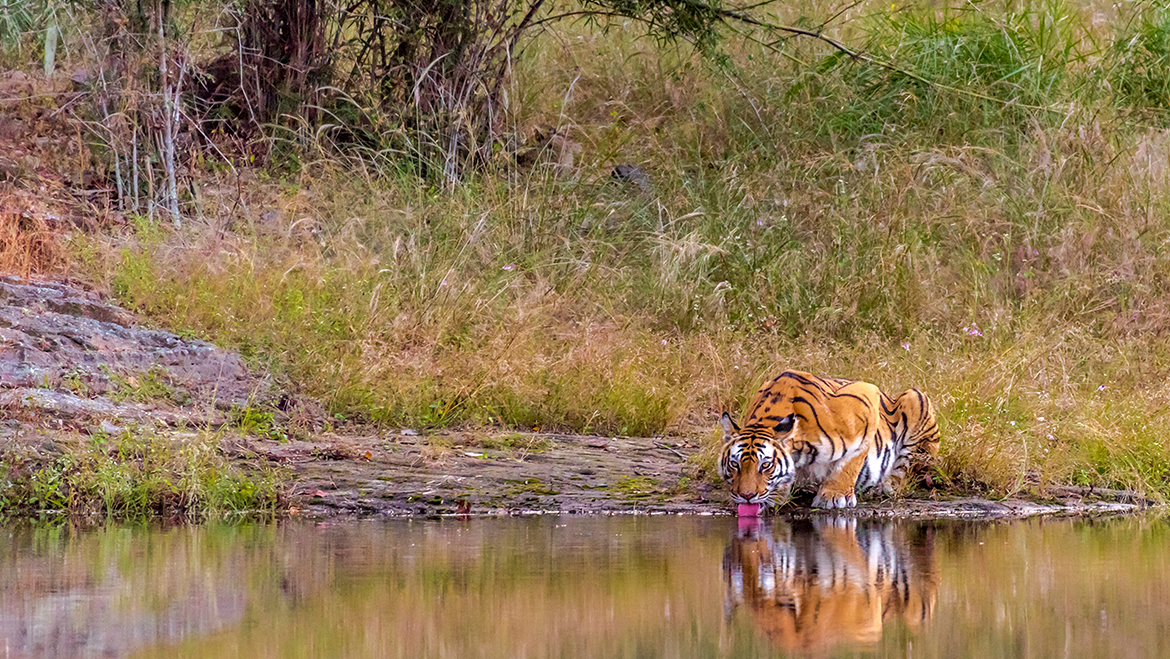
590, 587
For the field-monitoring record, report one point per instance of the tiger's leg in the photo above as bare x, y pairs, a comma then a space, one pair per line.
913, 416
838, 490
922, 428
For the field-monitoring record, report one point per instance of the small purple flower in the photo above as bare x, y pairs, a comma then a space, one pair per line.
906, 346
510, 267
1101, 388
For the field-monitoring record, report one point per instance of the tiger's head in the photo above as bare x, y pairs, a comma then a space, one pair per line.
756, 461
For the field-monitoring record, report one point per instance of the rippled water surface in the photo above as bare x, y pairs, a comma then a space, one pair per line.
591, 587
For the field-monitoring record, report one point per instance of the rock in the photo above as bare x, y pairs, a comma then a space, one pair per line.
65, 406
62, 347
627, 173
81, 78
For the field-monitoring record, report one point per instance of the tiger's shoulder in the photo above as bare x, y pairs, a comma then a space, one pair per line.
825, 403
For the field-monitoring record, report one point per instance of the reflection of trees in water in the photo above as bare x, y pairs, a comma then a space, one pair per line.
812, 585
361, 587
65, 593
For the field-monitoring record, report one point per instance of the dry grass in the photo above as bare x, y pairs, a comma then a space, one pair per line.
28, 244
1008, 260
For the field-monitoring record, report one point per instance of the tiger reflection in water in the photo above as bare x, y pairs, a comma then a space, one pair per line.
813, 585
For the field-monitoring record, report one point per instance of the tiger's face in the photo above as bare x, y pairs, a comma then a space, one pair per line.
756, 461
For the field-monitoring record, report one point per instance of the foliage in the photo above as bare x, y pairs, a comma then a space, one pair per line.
424, 79
961, 69
132, 476
1139, 69
20, 17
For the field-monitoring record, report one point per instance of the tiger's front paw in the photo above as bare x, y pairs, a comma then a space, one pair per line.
831, 500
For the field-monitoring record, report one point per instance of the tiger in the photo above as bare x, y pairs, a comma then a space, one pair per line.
842, 436
814, 585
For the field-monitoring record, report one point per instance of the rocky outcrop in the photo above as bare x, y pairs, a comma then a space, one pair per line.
70, 354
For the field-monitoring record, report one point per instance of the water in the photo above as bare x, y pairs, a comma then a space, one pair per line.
590, 587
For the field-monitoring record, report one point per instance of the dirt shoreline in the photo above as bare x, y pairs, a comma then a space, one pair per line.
496, 473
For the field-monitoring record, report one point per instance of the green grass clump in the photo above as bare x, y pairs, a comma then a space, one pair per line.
152, 385
635, 488
967, 69
516, 444
132, 476
1139, 63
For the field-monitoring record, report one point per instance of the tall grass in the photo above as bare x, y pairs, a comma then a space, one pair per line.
28, 244
1139, 68
961, 70
985, 223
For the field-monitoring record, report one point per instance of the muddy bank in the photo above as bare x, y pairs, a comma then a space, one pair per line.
481, 473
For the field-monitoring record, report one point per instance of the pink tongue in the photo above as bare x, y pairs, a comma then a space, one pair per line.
749, 510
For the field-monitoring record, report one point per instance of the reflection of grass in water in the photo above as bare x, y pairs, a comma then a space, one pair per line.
597, 588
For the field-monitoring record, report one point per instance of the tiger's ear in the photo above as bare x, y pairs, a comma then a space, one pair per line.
729, 427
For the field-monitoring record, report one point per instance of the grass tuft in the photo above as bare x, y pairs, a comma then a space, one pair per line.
135, 475
28, 245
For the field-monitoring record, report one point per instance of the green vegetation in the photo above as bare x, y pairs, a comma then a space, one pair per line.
135, 475
532, 486
254, 421
976, 207
152, 385
515, 444
634, 488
